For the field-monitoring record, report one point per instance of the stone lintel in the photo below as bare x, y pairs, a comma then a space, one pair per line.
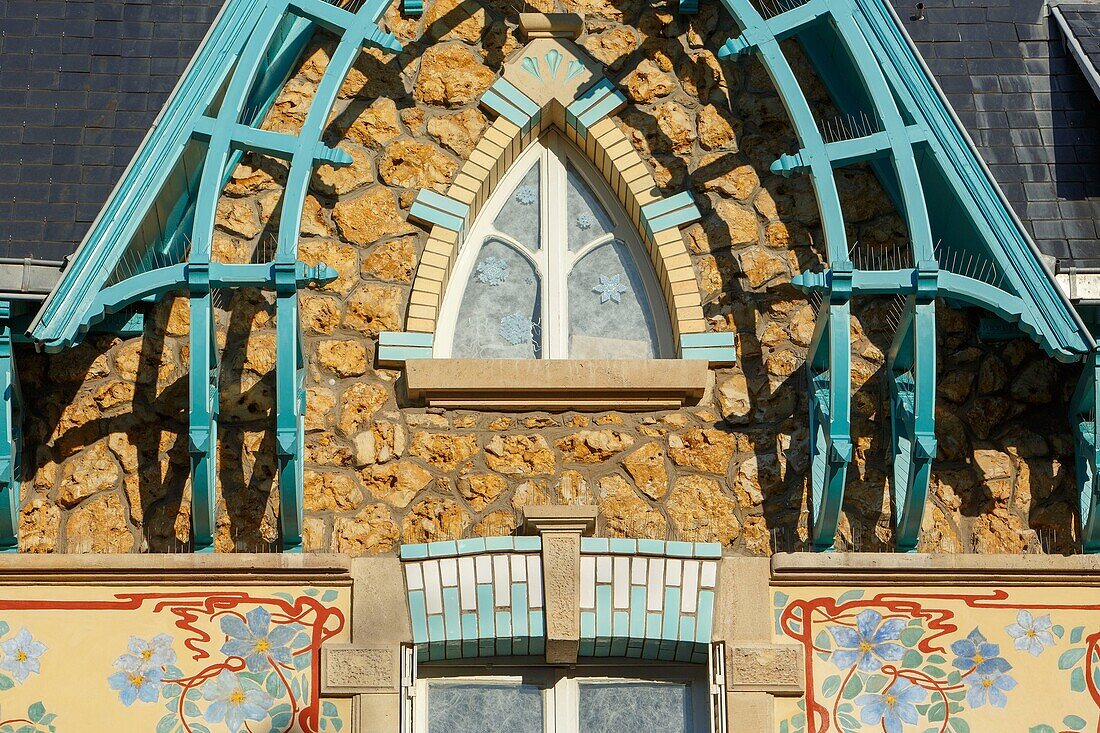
561, 581
551, 25
347, 669
541, 519
777, 669
860, 569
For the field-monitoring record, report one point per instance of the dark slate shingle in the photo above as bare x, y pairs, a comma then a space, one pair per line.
77, 96
1026, 104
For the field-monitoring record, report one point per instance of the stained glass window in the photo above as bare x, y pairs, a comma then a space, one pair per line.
553, 268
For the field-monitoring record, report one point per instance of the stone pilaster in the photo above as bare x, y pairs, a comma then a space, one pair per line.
561, 528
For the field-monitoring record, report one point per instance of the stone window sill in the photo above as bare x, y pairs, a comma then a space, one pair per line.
556, 384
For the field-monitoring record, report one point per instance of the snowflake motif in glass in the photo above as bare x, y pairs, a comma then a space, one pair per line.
584, 221
526, 195
516, 328
610, 288
492, 271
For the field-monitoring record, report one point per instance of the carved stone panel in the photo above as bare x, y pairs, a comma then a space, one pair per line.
352, 670
561, 552
774, 668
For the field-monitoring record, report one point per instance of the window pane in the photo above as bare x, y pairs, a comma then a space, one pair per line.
587, 219
500, 312
519, 217
484, 708
609, 317
634, 706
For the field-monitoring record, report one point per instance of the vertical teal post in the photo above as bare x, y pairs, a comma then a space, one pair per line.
1084, 409
11, 434
290, 403
203, 425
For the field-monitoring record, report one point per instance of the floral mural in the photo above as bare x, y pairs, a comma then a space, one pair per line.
235, 662
902, 662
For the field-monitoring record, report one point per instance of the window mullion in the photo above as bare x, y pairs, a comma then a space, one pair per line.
557, 249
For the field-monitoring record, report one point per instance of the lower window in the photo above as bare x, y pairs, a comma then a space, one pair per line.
584, 699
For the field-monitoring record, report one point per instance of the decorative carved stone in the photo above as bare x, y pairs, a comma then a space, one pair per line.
561, 554
352, 670
774, 668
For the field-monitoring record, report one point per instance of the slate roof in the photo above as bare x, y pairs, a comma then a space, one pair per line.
1004, 67
81, 81
1080, 23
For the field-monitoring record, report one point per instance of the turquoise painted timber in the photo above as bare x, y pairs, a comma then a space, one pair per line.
11, 436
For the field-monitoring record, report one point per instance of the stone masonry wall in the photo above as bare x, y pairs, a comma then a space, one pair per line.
106, 446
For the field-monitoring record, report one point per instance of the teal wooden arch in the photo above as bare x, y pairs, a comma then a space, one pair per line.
182, 167
917, 147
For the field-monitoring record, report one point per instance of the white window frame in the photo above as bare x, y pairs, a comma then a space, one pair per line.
561, 687
553, 261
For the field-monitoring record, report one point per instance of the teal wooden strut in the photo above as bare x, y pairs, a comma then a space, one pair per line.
11, 435
290, 375
911, 366
1084, 416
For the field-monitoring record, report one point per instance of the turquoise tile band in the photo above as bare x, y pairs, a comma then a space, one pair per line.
483, 597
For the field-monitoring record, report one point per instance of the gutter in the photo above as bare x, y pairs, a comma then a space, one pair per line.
28, 279
1042, 259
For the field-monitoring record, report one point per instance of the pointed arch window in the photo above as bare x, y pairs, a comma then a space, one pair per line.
553, 269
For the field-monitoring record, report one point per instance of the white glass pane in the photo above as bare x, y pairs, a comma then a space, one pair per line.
609, 316
634, 706
519, 217
484, 708
500, 312
587, 219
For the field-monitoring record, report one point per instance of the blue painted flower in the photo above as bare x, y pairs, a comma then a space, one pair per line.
21, 653
974, 652
893, 707
155, 653
869, 644
234, 700
1032, 634
988, 687
257, 642
134, 680
610, 288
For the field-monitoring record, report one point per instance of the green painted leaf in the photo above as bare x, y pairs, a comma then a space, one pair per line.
912, 659
302, 661
1077, 680
830, 686
1070, 658
26, 729
191, 710
1058, 630
911, 635
47, 719
35, 712
1044, 728
329, 595
849, 722
1076, 635
823, 641
4, 628
937, 712
853, 688
851, 595
280, 722
1074, 722
167, 723
936, 659
935, 672
312, 591
6, 682
875, 683
959, 725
